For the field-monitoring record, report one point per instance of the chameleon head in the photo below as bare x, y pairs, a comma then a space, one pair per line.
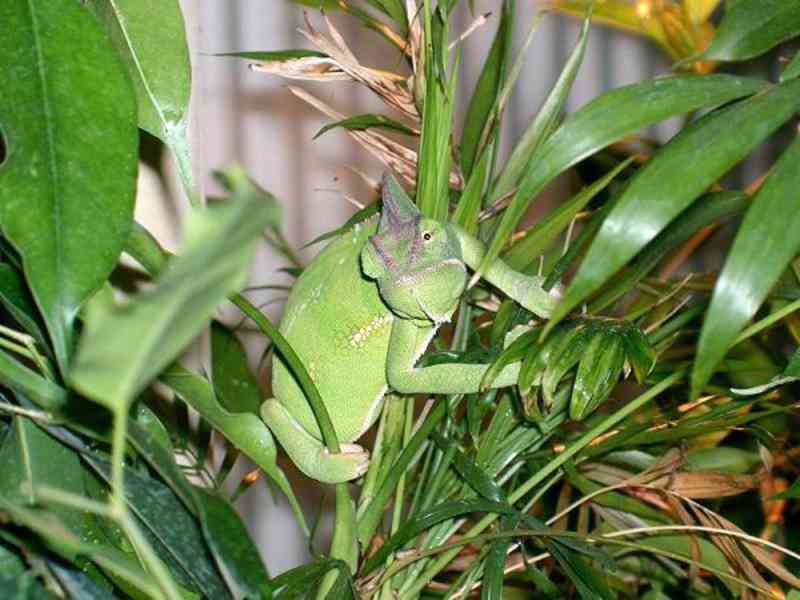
415, 261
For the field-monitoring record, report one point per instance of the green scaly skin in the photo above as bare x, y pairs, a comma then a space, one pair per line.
361, 315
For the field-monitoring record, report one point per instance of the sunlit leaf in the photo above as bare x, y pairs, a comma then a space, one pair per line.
151, 38
63, 181
664, 187
486, 93
609, 118
768, 239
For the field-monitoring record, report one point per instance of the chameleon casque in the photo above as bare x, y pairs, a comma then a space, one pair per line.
362, 314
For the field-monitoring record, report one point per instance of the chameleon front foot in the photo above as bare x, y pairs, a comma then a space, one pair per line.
309, 453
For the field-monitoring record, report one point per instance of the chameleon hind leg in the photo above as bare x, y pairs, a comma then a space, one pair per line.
310, 454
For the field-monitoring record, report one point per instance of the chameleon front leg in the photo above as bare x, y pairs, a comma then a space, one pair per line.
407, 342
525, 289
310, 454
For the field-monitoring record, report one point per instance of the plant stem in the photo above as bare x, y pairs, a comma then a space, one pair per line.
119, 508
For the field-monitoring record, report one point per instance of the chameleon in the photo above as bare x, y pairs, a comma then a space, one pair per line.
361, 315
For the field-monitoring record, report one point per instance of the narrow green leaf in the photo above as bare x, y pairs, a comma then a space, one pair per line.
435, 159
708, 209
513, 353
609, 118
359, 217
664, 187
220, 243
597, 374
792, 70
525, 153
494, 569
424, 520
536, 240
469, 205
477, 478
63, 180
362, 122
751, 27
301, 582
487, 90
235, 551
150, 37
245, 431
639, 353
767, 240
163, 462
275, 55
234, 383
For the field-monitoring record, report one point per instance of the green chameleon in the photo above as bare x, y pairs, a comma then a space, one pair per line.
362, 314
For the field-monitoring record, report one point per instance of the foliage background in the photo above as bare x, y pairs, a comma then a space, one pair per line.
253, 119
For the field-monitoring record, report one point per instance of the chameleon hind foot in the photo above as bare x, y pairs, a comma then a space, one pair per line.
310, 454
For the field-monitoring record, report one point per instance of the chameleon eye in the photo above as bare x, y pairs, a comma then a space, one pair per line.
427, 236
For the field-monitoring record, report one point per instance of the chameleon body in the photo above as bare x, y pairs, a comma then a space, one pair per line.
361, 315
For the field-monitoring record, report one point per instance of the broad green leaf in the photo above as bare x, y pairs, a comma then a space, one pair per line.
150, 37
219, 244
234, 383
792, 70
487, 90
543, 124
609, 118
172, 526
30, 458
494, 566
122, 567
751, 27
68, 115
767, 241
664, 186
245, 431
536, 240
362, 122
236, 553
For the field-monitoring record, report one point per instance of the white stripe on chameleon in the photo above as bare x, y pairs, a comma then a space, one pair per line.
360, 337
372, 412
